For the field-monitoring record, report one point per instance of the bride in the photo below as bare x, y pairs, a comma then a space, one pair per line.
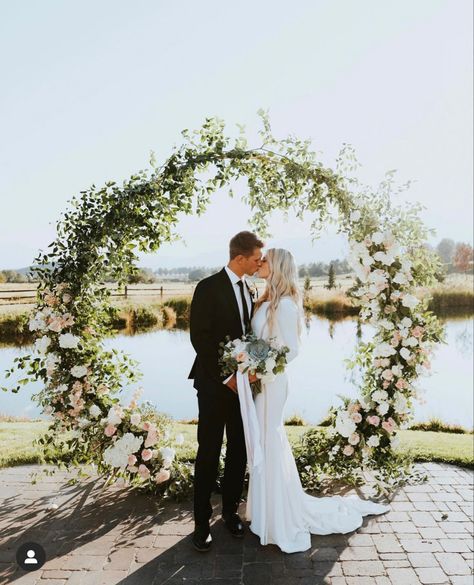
279, 510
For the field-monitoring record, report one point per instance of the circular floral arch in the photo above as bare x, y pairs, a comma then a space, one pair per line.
96, 240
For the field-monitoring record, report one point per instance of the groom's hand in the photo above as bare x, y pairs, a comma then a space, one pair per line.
232, 384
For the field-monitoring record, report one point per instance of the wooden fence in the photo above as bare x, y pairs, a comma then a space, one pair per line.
12, 297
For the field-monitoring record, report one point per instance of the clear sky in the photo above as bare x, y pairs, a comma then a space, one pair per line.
90, 87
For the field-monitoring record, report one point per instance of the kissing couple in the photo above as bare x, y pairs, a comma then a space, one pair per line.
279, 510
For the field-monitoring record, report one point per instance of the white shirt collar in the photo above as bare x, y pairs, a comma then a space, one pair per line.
233, 277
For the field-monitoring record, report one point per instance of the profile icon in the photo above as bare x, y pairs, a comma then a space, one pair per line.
30, 556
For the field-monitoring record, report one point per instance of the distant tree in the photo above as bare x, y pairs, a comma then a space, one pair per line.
14, 276
144, 275
307, 286
331, 277
463, 257
3, 278
197, 274
445, 249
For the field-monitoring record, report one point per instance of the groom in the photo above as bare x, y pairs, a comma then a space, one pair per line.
222, 306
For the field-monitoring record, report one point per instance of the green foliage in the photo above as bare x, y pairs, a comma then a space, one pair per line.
295, 420
98, 239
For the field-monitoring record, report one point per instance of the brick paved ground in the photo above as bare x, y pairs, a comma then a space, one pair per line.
118, 536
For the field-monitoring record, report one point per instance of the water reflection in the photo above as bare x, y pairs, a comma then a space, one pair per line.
318, 375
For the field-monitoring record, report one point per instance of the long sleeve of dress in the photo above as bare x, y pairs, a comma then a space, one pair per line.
287, 319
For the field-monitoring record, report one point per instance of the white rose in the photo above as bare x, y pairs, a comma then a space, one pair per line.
397, 370
373, 441
400, 403
400, 278
68, 340
344, 425
179, 439
386, 324
382, 408
394, 442
406, 322
410, 301
115, 415
41, 344
377, 238
405, 353
270, 363
94, 411
367, 260
355, 215
167, 453
135, 419
37, 322
384, 350
379, 396
79, 371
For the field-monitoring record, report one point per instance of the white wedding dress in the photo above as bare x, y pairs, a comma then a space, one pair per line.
280, 511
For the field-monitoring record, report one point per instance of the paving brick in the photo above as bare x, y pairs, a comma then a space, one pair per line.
453, 563
423, 560
363, 568
359, 553
387, 543
432, 575
454, 545
403, 577
461, 580
418, 545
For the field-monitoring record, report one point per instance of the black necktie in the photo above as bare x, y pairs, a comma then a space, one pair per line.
244, 306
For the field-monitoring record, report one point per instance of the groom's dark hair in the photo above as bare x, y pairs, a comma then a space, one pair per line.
244, 243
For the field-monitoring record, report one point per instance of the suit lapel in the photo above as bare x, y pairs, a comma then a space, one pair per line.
228, 289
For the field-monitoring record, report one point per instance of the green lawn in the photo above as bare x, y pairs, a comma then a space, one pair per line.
16, 443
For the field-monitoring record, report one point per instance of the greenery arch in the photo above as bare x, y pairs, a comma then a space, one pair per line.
96, 239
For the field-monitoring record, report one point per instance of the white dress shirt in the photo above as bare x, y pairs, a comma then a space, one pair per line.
234, 280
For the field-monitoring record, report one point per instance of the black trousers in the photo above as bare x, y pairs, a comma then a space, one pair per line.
219, 408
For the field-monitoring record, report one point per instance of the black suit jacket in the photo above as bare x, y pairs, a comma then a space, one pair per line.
214, 315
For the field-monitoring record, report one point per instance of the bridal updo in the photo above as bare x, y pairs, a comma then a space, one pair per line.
282, 281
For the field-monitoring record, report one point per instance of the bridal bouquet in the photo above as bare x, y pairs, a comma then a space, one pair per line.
263, 358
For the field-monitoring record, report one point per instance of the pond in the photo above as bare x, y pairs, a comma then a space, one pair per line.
317, 375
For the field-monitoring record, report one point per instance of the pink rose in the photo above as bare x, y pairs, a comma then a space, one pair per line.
132, 460
401, 384
241, 357
354, 439
162, 476
417, 331
348, 450
148, 426
151, 438
373, 420
110, 430
146, 454
387, 374
356, 417
387, 426
385, 384
143, 471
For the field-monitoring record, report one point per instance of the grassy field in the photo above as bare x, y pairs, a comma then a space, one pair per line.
16, 443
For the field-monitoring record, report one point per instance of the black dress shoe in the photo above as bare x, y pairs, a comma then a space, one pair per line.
234, 525
202, 538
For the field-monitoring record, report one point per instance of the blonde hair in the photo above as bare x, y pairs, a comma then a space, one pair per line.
282, 281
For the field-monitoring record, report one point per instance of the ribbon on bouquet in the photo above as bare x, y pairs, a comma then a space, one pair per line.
249, 420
